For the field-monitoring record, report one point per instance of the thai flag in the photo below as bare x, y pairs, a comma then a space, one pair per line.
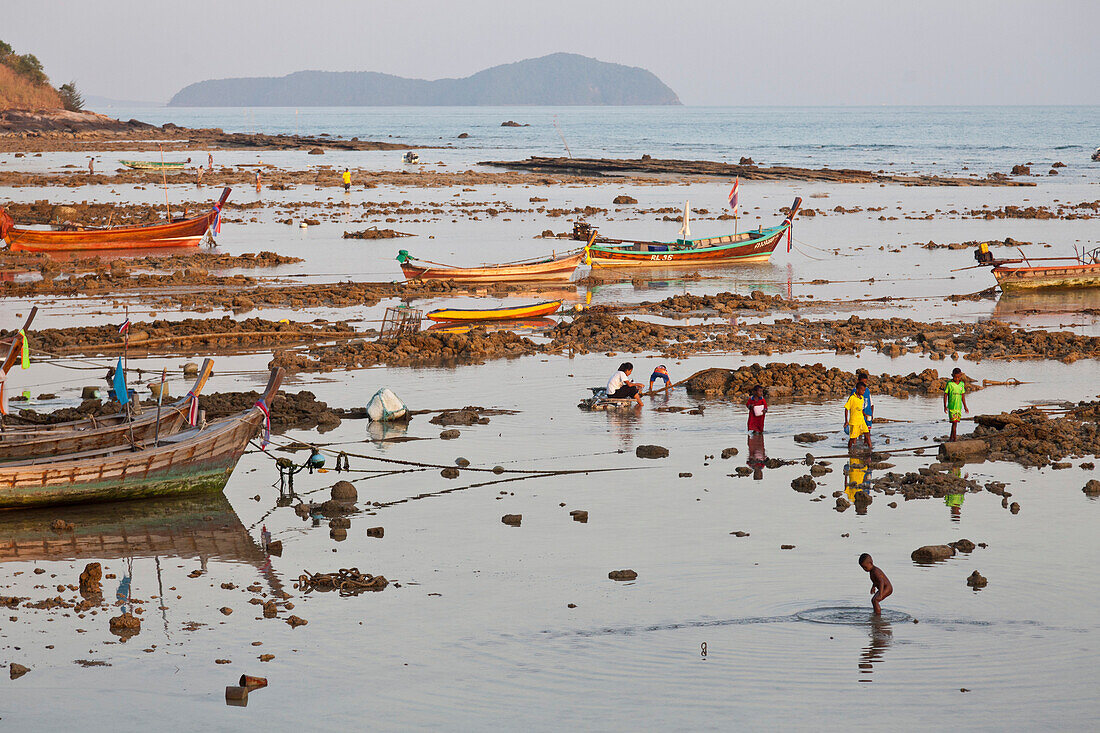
124, 327
733, 195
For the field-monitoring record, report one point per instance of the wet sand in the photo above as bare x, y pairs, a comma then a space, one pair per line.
476, 622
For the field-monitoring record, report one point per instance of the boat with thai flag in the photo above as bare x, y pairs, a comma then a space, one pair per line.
737, 248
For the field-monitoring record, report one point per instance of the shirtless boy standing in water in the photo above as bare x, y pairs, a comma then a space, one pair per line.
880, 584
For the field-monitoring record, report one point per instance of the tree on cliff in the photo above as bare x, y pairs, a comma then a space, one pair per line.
71, 97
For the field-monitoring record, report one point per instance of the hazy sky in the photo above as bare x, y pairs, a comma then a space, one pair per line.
716, 52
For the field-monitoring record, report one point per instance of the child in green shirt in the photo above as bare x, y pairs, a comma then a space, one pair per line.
954, 400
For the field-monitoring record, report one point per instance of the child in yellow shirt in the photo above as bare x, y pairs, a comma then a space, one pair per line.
855, 423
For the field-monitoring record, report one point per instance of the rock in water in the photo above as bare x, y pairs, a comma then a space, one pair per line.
842, 504
125, 625
962, 450
344, 491
623, 575
729, 452
376, 532
932, 553
1092, 488
804, 484
90, 580
963, 545
651, 451
809, 437
449, 472
579, 515
512, 520
977, 580
625, 200
17, 670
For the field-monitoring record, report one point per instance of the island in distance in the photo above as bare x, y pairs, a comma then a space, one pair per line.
556, 80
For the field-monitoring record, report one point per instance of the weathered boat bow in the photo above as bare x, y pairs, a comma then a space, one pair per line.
197, 460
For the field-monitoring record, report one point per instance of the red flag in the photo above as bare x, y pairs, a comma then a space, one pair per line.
733, 195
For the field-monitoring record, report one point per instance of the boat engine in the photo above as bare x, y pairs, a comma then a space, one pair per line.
983, 255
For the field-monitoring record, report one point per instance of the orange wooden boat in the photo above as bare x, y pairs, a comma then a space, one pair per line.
183, 233
547, 269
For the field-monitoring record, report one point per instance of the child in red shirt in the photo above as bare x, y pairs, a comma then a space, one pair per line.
758, 408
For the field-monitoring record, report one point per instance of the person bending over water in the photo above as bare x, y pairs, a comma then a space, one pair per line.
880, 584
661, 372
620, 386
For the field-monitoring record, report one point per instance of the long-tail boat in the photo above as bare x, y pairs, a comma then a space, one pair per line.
192, 461
546, 269
155, 165
746, 247
181, 233
535, 310
77, 436
1082, 271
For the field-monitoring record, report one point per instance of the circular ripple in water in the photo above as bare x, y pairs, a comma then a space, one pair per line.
851, 616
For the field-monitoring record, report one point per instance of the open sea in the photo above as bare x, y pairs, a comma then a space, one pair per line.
929, 139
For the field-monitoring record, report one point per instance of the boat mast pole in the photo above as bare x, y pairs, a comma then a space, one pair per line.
164, 179
160, 399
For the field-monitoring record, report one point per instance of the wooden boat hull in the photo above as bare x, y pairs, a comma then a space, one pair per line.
495, 314
550, 270
186, 233
1062, 276
22, 444
199, 460
152, 165
742, 249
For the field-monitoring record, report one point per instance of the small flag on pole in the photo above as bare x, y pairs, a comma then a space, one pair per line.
120, 384
124, 327
733, 195
24, 350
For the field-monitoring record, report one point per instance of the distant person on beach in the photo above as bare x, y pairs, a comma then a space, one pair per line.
620, 386
258, 182
347, 181
210, 162
855, 422
198, 175
661, 372
91, 166
881, 588
758, 408
954, 400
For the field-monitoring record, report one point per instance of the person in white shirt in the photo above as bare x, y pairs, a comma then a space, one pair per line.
620, 386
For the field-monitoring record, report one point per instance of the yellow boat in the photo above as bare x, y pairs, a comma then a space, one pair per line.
495, 314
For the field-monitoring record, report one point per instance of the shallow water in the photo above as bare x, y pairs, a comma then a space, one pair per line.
480, 629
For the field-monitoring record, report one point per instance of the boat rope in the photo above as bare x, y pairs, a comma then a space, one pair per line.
418, 464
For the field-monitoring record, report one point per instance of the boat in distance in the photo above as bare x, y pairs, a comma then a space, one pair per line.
544, 269
181, 233
155, 165
521, 312
1082, 271
743, 248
